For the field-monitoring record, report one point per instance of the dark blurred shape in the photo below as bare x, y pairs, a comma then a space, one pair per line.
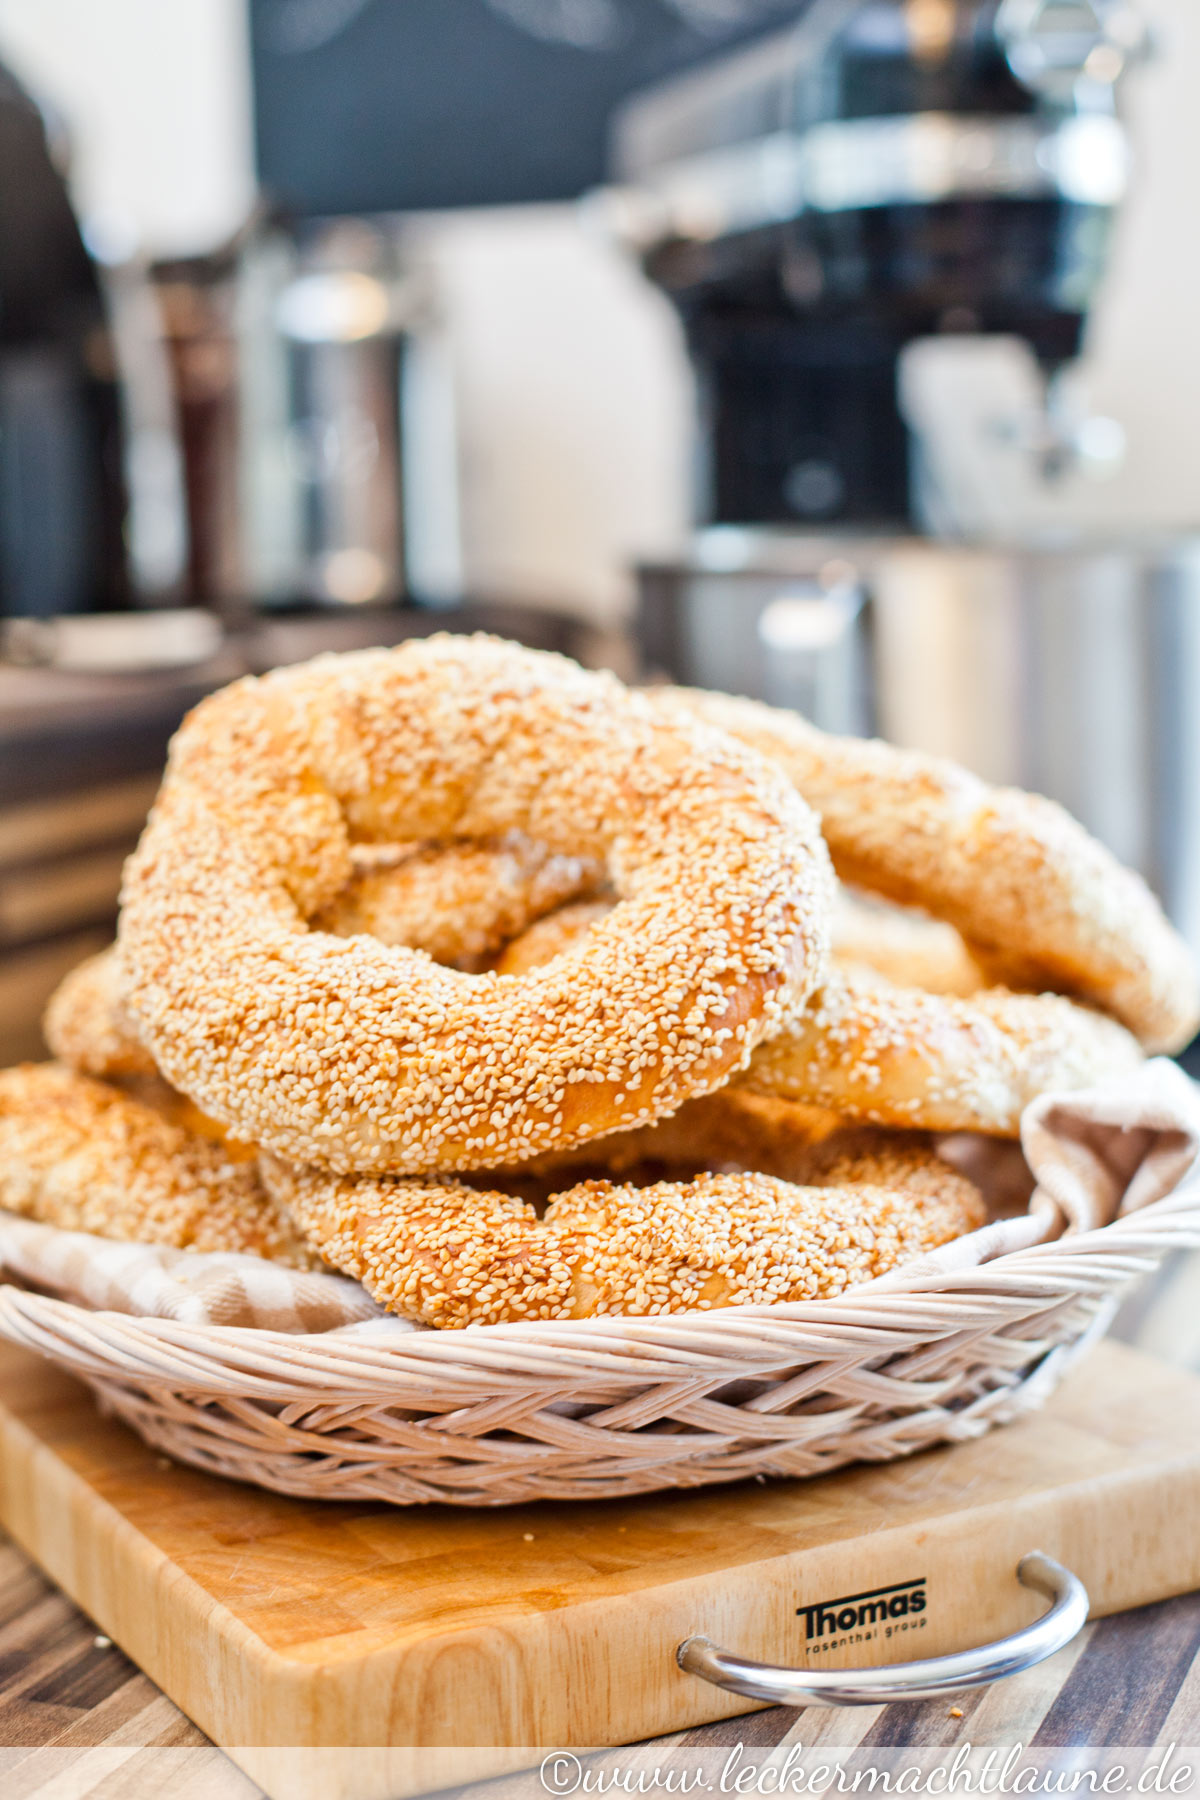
375, 106
62, 496
197, 296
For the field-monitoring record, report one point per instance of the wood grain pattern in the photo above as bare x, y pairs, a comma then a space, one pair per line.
284, 1623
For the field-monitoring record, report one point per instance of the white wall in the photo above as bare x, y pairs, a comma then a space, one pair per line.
155, 99
573, 399
1143, 357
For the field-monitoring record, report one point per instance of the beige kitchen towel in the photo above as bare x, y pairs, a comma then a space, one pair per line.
1121, 1145
1093, 1155
211, 1288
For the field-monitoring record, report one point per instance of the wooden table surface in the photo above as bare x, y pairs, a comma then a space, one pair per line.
79, 1722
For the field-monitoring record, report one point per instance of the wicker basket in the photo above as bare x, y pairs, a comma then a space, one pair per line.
343, 1405
589, 1409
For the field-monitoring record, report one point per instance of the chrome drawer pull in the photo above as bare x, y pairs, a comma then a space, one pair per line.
923, 1680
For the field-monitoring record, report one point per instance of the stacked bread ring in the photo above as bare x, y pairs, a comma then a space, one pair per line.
516, 994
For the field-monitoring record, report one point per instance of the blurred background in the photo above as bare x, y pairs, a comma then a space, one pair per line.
842, 353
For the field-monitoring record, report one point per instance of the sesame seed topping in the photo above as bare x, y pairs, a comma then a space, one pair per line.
365, 1056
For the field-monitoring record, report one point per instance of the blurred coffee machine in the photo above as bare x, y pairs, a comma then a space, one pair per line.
883, 229
883, 173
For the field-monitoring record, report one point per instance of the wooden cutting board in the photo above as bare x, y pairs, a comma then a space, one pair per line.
360, 1651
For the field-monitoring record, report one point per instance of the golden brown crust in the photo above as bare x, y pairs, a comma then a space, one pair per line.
897, 1056
367, 1057
735, 1132
560, 933
910, 948
732, 1131
1040, 900
459, 902
177, 1109
908, 1161
871, 1051
86, 1025
85, 1156
452, 1255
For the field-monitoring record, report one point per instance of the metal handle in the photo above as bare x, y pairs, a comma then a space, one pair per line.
923, 1680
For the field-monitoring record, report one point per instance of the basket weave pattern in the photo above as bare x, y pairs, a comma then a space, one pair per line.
591, 1409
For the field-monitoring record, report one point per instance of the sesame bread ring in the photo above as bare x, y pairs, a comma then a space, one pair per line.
910, 950
875, 1052
897, 1056
560, 933
86, 1030
364, 1057
86, 1025
1036, 898
734, 1132
452, 1255
460, 902
85, 1156
868, 1155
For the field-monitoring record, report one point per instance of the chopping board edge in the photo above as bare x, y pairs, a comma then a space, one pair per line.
548, 1677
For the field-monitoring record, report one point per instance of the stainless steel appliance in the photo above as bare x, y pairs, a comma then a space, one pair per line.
320, 320
1072, 670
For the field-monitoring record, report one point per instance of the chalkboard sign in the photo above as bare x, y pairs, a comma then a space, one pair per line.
382, 105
